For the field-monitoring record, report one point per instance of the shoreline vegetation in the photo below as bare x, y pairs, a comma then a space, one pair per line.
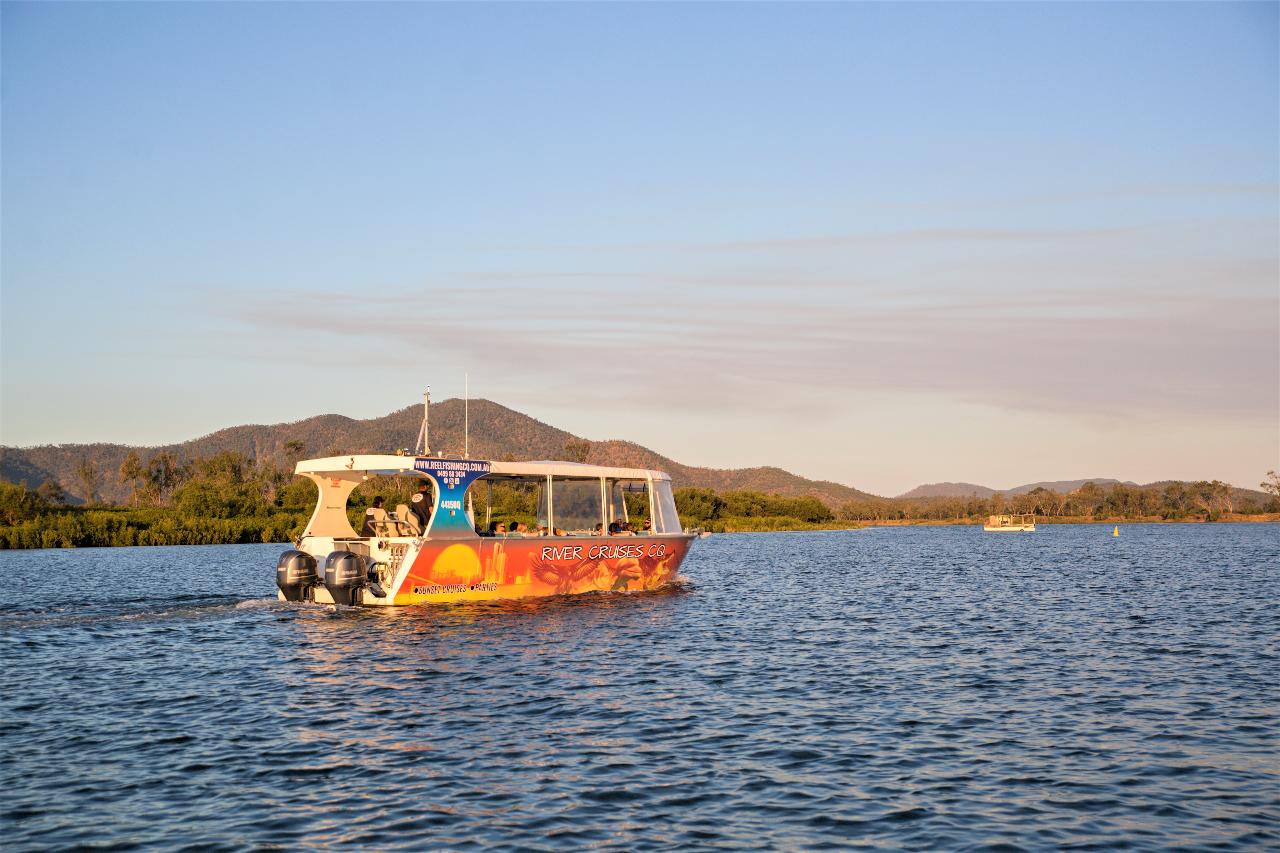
227, 498
1204, 501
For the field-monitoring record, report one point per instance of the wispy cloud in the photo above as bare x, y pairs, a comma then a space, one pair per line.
920, 236
1193, 192
1148, 350
1171, 321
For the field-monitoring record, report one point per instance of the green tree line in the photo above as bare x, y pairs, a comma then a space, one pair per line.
225, 498
229, 498
1177, 501
752, 511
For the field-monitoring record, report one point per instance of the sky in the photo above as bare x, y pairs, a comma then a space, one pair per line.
881, 244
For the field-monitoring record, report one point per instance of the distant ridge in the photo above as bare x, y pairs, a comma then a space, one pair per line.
948, 490
496, 433
964, 490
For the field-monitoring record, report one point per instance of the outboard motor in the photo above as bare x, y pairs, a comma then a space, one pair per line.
345, 576
296, 574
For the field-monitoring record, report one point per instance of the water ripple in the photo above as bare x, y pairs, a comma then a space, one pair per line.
928, 688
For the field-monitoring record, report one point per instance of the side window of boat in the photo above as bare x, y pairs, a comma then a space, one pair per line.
628, 503
502, 499
576, 505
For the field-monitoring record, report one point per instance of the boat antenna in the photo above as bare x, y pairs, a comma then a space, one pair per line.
466, 416
423, 445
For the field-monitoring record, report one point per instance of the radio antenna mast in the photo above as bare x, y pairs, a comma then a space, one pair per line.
423, 446
466, 416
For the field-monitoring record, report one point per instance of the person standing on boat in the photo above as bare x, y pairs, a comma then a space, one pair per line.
420, 506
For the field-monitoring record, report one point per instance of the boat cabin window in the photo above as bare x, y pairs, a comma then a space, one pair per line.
505, 500
576, 506
628, 503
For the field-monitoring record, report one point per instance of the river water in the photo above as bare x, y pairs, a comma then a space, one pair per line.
928, 688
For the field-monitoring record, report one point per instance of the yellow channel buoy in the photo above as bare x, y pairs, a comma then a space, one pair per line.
1116, 531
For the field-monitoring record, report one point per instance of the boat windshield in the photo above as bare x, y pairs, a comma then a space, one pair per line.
667, 520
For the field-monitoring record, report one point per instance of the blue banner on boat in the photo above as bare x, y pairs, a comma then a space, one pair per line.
452, 478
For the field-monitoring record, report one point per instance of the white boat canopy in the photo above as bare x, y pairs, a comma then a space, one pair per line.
389, 464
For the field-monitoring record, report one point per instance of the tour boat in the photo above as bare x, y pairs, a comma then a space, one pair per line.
1014, 523
582, 543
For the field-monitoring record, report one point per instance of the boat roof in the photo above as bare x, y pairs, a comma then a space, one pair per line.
392, 464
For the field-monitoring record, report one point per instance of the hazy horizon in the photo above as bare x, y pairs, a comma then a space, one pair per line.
884, 245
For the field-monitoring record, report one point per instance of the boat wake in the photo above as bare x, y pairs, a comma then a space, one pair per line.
128, 610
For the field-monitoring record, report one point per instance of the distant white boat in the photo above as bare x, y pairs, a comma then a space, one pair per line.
1015, 523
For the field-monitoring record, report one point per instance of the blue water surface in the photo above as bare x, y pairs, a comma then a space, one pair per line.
921, 688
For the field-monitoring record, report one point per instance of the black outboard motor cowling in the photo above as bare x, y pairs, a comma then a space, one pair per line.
345, 576
296, 574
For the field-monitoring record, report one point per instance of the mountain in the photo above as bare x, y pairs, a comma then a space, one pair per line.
1068, 485
964, 490
948, 490
496, 433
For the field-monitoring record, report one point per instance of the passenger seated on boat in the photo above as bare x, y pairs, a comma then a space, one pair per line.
518, 528
542, 530
615, 529
598, 530
420, 506
625, 529
648, 526
406, 521
497, 528
559, 531
375, 519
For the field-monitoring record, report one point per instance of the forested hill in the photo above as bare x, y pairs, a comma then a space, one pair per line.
949, 490
496, 433
964, 490
947, 494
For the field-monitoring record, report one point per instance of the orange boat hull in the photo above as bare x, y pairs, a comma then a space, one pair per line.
485, 569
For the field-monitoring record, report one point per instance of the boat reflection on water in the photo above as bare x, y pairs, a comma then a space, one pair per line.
327, 632
437, 678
